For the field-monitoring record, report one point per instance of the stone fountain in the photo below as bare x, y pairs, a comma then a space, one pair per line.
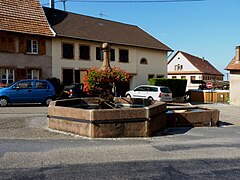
124, 117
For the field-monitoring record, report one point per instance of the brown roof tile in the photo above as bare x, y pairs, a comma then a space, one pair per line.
201, 64
24, 16
233, 65
67, 24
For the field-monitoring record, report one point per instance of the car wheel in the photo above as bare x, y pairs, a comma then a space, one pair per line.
150, 98
3, 102
128, 96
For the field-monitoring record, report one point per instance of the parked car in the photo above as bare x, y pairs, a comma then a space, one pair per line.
160, 93
27, 91
73, 91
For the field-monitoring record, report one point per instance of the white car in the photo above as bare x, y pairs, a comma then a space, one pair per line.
159, 93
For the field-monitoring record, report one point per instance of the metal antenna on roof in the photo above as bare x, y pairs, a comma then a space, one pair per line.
102, 15
64, 4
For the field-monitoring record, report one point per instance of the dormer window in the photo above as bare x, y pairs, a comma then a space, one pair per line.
32, 46
178, 67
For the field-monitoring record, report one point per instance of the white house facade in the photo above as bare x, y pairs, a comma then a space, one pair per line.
234, 68
77, 47
186, 66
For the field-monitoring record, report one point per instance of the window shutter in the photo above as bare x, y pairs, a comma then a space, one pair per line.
40, 73
22, 45
11, 44
21, 73
42, 47
16, 74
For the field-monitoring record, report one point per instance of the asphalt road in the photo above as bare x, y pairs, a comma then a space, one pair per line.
29, 150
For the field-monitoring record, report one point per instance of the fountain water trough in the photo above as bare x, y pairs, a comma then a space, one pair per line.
127, 118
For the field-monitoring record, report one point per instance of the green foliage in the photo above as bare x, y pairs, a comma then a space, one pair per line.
177, 86
58, 86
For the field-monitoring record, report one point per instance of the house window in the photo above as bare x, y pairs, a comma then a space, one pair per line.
6, 75
183, 77
84, 52
112, 54
32, 74
193, 78
150, 76
68, 51
99, 54
178, 67
123, 55
32, 46
143, 61
174, 77
41, 85
160, 76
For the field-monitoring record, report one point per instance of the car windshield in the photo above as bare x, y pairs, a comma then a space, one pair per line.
11, 84
165, 90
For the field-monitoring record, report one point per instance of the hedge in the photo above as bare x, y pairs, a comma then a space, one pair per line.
177, 86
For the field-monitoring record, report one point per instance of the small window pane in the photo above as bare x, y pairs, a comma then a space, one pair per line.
84, 52
123, 55
67, 51
99, 54
29, 46
112, 57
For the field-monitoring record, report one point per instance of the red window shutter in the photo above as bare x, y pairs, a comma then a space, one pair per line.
22, 45
40, 73
42, 47
11, 47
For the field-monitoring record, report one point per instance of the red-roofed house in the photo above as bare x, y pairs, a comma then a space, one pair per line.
186, 66
25, 41
234, 68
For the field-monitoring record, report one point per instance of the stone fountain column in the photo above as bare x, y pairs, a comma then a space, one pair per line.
106, 58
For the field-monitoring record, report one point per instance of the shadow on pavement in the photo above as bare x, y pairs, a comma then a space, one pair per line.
222, 123
174, 131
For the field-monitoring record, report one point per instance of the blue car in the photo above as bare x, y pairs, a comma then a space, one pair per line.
27, 91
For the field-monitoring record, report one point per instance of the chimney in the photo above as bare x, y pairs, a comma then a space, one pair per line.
237, 53
51, 4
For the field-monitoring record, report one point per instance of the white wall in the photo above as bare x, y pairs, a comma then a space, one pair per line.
188, 70
157, 60
234, 88
180, 59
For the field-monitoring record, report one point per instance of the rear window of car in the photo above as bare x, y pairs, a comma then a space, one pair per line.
41, 85
165, 90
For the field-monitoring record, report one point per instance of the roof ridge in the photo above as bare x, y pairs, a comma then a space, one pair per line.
73, 25
202, 59
200, 66
74, 13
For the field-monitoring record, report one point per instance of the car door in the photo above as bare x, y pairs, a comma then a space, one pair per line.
140, 92
21, 92
40, 91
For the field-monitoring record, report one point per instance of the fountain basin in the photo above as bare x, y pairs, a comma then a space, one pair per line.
192, 117
128, 117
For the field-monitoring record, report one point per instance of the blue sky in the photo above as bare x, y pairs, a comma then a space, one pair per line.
209, 29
